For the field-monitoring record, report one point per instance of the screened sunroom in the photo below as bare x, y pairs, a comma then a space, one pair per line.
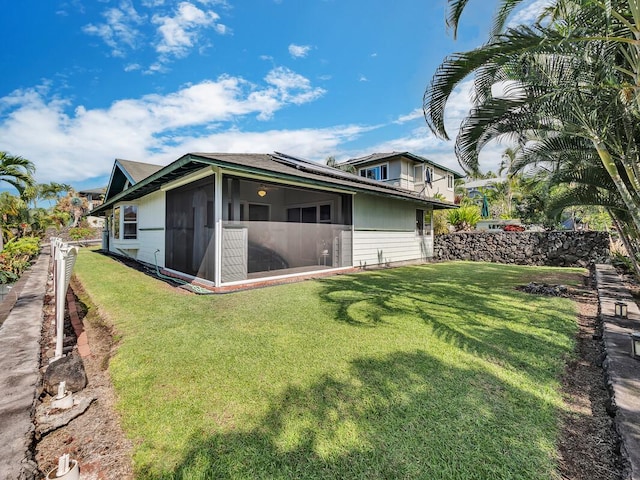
267, 229
225, 220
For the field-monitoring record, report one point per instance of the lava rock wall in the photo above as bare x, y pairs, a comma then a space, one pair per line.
563, 249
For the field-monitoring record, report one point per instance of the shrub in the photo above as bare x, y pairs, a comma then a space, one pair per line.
82, 233
22, 246
440, 224
464, 218
7, 277
621, 262
16, 257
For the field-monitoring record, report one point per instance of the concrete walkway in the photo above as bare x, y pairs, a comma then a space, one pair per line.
20, 336
623, 371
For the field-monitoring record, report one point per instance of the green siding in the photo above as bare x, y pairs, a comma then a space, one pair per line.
380, 213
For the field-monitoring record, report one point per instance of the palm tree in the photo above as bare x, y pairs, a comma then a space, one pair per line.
16, 171
573, 78
44, 192
332, 162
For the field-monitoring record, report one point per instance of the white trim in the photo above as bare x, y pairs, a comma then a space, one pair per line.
192, 177
372, 166
218, 220
288, 275
280, 181
252, 280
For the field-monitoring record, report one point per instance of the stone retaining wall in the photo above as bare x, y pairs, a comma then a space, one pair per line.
565, 249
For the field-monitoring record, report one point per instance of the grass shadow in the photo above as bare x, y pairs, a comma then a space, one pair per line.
395, 417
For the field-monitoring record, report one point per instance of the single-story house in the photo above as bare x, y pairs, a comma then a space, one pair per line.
408, 171
225, 220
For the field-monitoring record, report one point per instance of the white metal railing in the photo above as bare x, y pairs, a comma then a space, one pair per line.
64, 259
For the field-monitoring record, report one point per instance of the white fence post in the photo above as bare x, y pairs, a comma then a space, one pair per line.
64, 261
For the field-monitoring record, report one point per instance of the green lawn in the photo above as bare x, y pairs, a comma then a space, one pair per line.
439, 371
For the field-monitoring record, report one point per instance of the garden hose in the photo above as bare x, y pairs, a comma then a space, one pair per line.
195, 288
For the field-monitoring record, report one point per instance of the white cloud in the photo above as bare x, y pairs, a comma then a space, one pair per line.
177, 32
362, 78
75, 143
417, 113
299, 51
312, 144
120, 31
528, 14
180, 32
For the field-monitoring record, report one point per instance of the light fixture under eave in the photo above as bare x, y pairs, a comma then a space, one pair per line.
262, 191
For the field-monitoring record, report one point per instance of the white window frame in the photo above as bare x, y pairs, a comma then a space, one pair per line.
420, 177
363, 171
450, 182
121, 222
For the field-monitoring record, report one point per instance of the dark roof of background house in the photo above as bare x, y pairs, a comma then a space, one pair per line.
375, 157
98, 191
275, 166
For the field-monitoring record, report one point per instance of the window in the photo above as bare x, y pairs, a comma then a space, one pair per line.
130, 222
427, 221
310, 214
450, 182
125, 222
116, 222
379, 172
418, 173
419, 222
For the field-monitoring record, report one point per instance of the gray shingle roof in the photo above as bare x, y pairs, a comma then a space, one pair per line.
375, 157
269, 166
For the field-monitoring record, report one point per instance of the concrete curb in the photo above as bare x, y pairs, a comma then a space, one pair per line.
622, 371
20, 336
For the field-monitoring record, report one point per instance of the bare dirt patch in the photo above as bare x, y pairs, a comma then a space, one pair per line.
588, 447
95, 438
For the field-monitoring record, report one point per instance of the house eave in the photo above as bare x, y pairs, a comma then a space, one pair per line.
192, 162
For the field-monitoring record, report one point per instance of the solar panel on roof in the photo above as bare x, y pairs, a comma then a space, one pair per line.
314, 167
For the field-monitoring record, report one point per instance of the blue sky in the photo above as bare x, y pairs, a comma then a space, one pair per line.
88, 81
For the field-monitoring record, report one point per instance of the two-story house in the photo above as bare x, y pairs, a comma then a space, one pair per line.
408, 171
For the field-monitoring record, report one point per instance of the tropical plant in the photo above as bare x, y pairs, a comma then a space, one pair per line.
332, 162
82, 233
73, 205
464, 218
440, 222
52, 191
567, 81
16, 171
16, 257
